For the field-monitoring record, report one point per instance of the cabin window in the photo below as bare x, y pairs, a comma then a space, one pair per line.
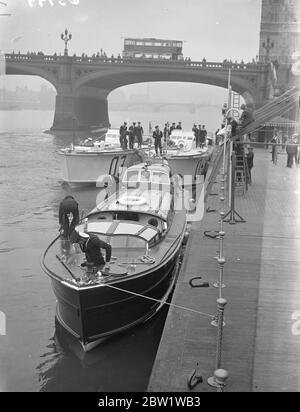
126, 216
129, 228
127, 242
158, 177
145, 176
131, 176
149, 233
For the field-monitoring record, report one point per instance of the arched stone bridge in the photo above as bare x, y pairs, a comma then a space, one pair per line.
83, 83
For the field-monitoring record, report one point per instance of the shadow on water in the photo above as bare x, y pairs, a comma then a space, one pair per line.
122, 363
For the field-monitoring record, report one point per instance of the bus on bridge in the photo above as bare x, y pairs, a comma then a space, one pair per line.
149, 48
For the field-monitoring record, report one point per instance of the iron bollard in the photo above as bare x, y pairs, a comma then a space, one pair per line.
220, 378
220, 323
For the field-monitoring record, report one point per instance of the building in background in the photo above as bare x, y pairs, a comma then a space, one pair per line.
279, 30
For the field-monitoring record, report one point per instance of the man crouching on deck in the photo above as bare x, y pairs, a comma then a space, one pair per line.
91, 245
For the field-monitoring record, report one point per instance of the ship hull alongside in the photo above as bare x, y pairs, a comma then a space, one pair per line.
86, 168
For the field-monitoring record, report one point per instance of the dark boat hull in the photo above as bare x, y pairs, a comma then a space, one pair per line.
96, 312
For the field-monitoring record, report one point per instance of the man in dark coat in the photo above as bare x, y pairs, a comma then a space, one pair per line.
68, 206
157, 136
91, 245
131, 135
195, 131
250, 161
202, 136
246, 116
291, 150
139, 134
166, 131
173, 127
123, 139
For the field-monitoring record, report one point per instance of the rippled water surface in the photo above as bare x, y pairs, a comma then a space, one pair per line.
34, 354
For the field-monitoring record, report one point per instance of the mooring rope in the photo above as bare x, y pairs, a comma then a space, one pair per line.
160, 301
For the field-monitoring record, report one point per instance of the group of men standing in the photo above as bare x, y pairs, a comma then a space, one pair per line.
291, 146
200, 134
158, 135
130, 135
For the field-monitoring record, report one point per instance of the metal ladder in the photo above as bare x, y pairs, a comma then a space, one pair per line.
242, 175
236, 103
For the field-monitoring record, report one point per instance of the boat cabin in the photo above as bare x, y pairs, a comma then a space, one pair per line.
110, 141
139, 213
182, 140
112, 138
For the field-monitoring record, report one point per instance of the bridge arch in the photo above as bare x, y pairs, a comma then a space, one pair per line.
108, 81
23, 70
91, 90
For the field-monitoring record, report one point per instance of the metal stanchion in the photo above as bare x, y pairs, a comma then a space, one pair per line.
233, 215
221, 306
221, 259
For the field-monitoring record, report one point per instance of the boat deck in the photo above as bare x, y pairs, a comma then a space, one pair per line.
66, 262
261, 339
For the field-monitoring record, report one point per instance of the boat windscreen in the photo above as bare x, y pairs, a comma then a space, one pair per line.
142, 176
114, 228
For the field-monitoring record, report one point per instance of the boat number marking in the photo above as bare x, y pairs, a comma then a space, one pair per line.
114, 165
123, 158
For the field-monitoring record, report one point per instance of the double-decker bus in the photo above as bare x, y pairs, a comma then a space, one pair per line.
152, 49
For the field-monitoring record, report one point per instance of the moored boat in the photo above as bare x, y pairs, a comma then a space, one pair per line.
145, 232
185, 158
84, 163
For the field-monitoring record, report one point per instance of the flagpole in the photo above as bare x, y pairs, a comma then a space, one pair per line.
226, 124
230, 144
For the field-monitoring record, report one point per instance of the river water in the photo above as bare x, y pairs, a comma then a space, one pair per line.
35, 355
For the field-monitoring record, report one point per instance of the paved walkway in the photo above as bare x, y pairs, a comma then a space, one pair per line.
261, 345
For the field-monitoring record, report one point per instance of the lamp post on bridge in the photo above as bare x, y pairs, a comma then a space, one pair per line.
66, 37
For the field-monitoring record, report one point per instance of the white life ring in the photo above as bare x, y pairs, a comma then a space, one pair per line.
133, 200
181, 144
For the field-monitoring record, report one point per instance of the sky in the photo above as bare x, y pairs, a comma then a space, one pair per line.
214, 29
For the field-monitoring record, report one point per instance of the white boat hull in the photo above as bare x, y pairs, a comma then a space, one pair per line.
189, 164
86, 168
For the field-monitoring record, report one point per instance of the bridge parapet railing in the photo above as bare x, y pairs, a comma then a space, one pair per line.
134, 61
